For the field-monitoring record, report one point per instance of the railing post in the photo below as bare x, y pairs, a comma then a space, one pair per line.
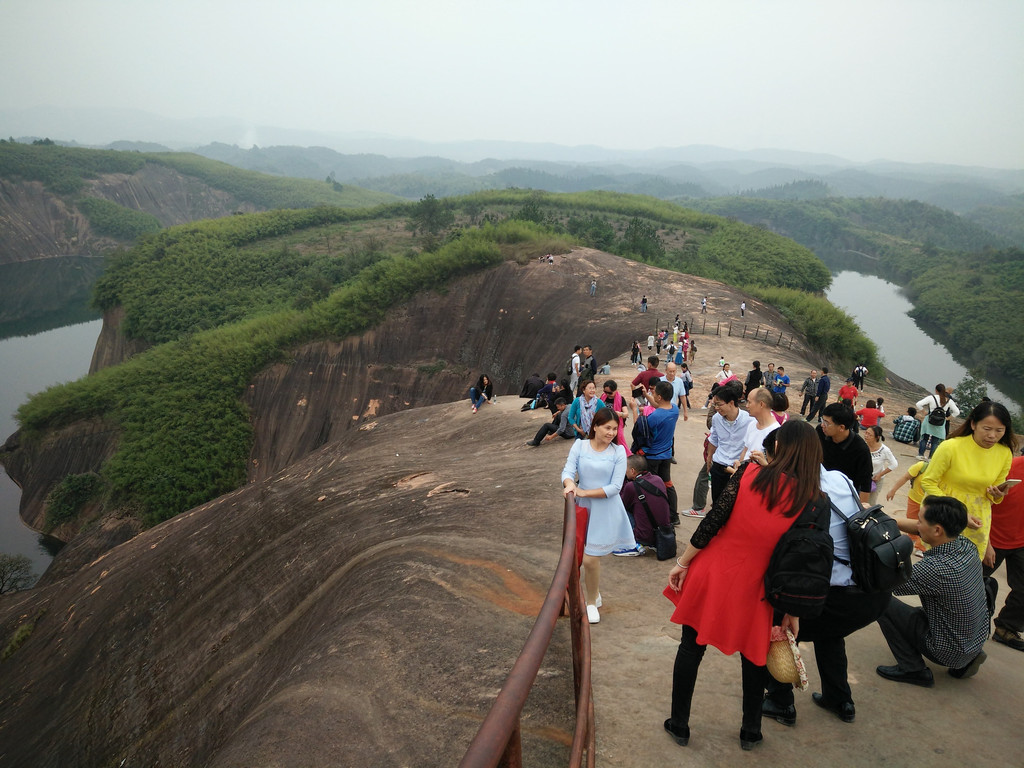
512, 757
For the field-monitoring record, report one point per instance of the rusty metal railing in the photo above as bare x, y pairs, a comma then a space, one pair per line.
498, 742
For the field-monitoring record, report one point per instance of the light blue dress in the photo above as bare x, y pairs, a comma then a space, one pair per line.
609, 527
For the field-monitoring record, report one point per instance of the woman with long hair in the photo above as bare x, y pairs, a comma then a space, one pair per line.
882, 460
934, 434
594, 471
612, 398
972, 466
718, 582
482, 393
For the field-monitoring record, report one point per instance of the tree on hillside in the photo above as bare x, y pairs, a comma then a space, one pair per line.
15, 573
430, 217
641, 238
531, 210
970, 390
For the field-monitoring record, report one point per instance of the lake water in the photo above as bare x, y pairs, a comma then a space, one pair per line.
30, 364
881, 310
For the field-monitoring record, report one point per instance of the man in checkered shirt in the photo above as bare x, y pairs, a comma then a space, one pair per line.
951, 626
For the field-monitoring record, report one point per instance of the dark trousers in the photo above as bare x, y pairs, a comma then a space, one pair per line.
700, 488
906, 631
719, 477
663, 469
808, 402
550, 428
1012, 614
684, 678
817, 406
847, 609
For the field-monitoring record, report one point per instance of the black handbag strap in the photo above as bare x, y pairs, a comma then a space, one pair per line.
639, 486
856, 498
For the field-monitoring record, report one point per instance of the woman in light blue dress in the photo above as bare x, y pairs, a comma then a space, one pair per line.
594, 472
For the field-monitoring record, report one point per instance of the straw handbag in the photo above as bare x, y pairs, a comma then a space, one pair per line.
784, 661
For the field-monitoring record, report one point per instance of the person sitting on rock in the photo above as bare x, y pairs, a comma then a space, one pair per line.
558, 426
642, 487
531, 386
951, 626
907, 429
550, 392
482, 393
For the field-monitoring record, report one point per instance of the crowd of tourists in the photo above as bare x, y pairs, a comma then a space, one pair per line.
762, 472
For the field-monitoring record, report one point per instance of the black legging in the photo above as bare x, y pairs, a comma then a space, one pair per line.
684, 678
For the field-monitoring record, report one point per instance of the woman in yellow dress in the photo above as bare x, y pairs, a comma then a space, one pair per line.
971, 466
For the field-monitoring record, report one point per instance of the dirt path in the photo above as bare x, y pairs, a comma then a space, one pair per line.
974, 722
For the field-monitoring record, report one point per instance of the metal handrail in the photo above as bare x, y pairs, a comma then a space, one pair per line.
498, 741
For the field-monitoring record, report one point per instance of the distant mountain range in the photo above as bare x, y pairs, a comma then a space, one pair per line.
412, 169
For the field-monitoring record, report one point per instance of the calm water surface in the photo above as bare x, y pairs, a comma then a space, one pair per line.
880, 309
30, 364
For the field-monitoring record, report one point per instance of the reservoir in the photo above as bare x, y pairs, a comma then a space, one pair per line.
30, 364
880, 309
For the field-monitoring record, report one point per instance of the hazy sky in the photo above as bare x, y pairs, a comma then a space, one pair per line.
928, 80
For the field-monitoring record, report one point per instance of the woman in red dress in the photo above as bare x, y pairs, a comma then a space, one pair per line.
718, 583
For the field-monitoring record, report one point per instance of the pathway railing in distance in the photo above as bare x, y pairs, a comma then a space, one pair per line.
498, 741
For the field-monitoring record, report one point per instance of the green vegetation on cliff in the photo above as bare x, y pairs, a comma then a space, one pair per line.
960, 282
185, 433
63, 170
109, 218
771, 267
66, 171
264, 190
222, 299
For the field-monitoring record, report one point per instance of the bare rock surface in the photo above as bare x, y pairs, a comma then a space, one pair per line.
363, 604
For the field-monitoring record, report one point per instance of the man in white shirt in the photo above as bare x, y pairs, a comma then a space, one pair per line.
759, 405
678, 388
574, 375
728, 430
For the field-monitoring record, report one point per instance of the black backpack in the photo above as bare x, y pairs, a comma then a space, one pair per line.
879, 551
800, 569
664, 535
642, 433
937, 415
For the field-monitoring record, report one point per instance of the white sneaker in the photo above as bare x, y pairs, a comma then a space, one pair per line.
593, 616
598, 602
693, 513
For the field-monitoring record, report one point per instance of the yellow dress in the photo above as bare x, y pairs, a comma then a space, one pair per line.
963, 469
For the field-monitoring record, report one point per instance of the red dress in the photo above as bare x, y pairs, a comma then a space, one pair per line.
723, 592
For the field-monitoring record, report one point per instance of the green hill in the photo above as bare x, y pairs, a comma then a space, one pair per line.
222, 299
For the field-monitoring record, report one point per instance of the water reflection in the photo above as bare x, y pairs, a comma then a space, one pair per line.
30, 364
38, 296
881, 310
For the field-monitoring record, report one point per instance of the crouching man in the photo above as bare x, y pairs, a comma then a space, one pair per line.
951, 626
643, 493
